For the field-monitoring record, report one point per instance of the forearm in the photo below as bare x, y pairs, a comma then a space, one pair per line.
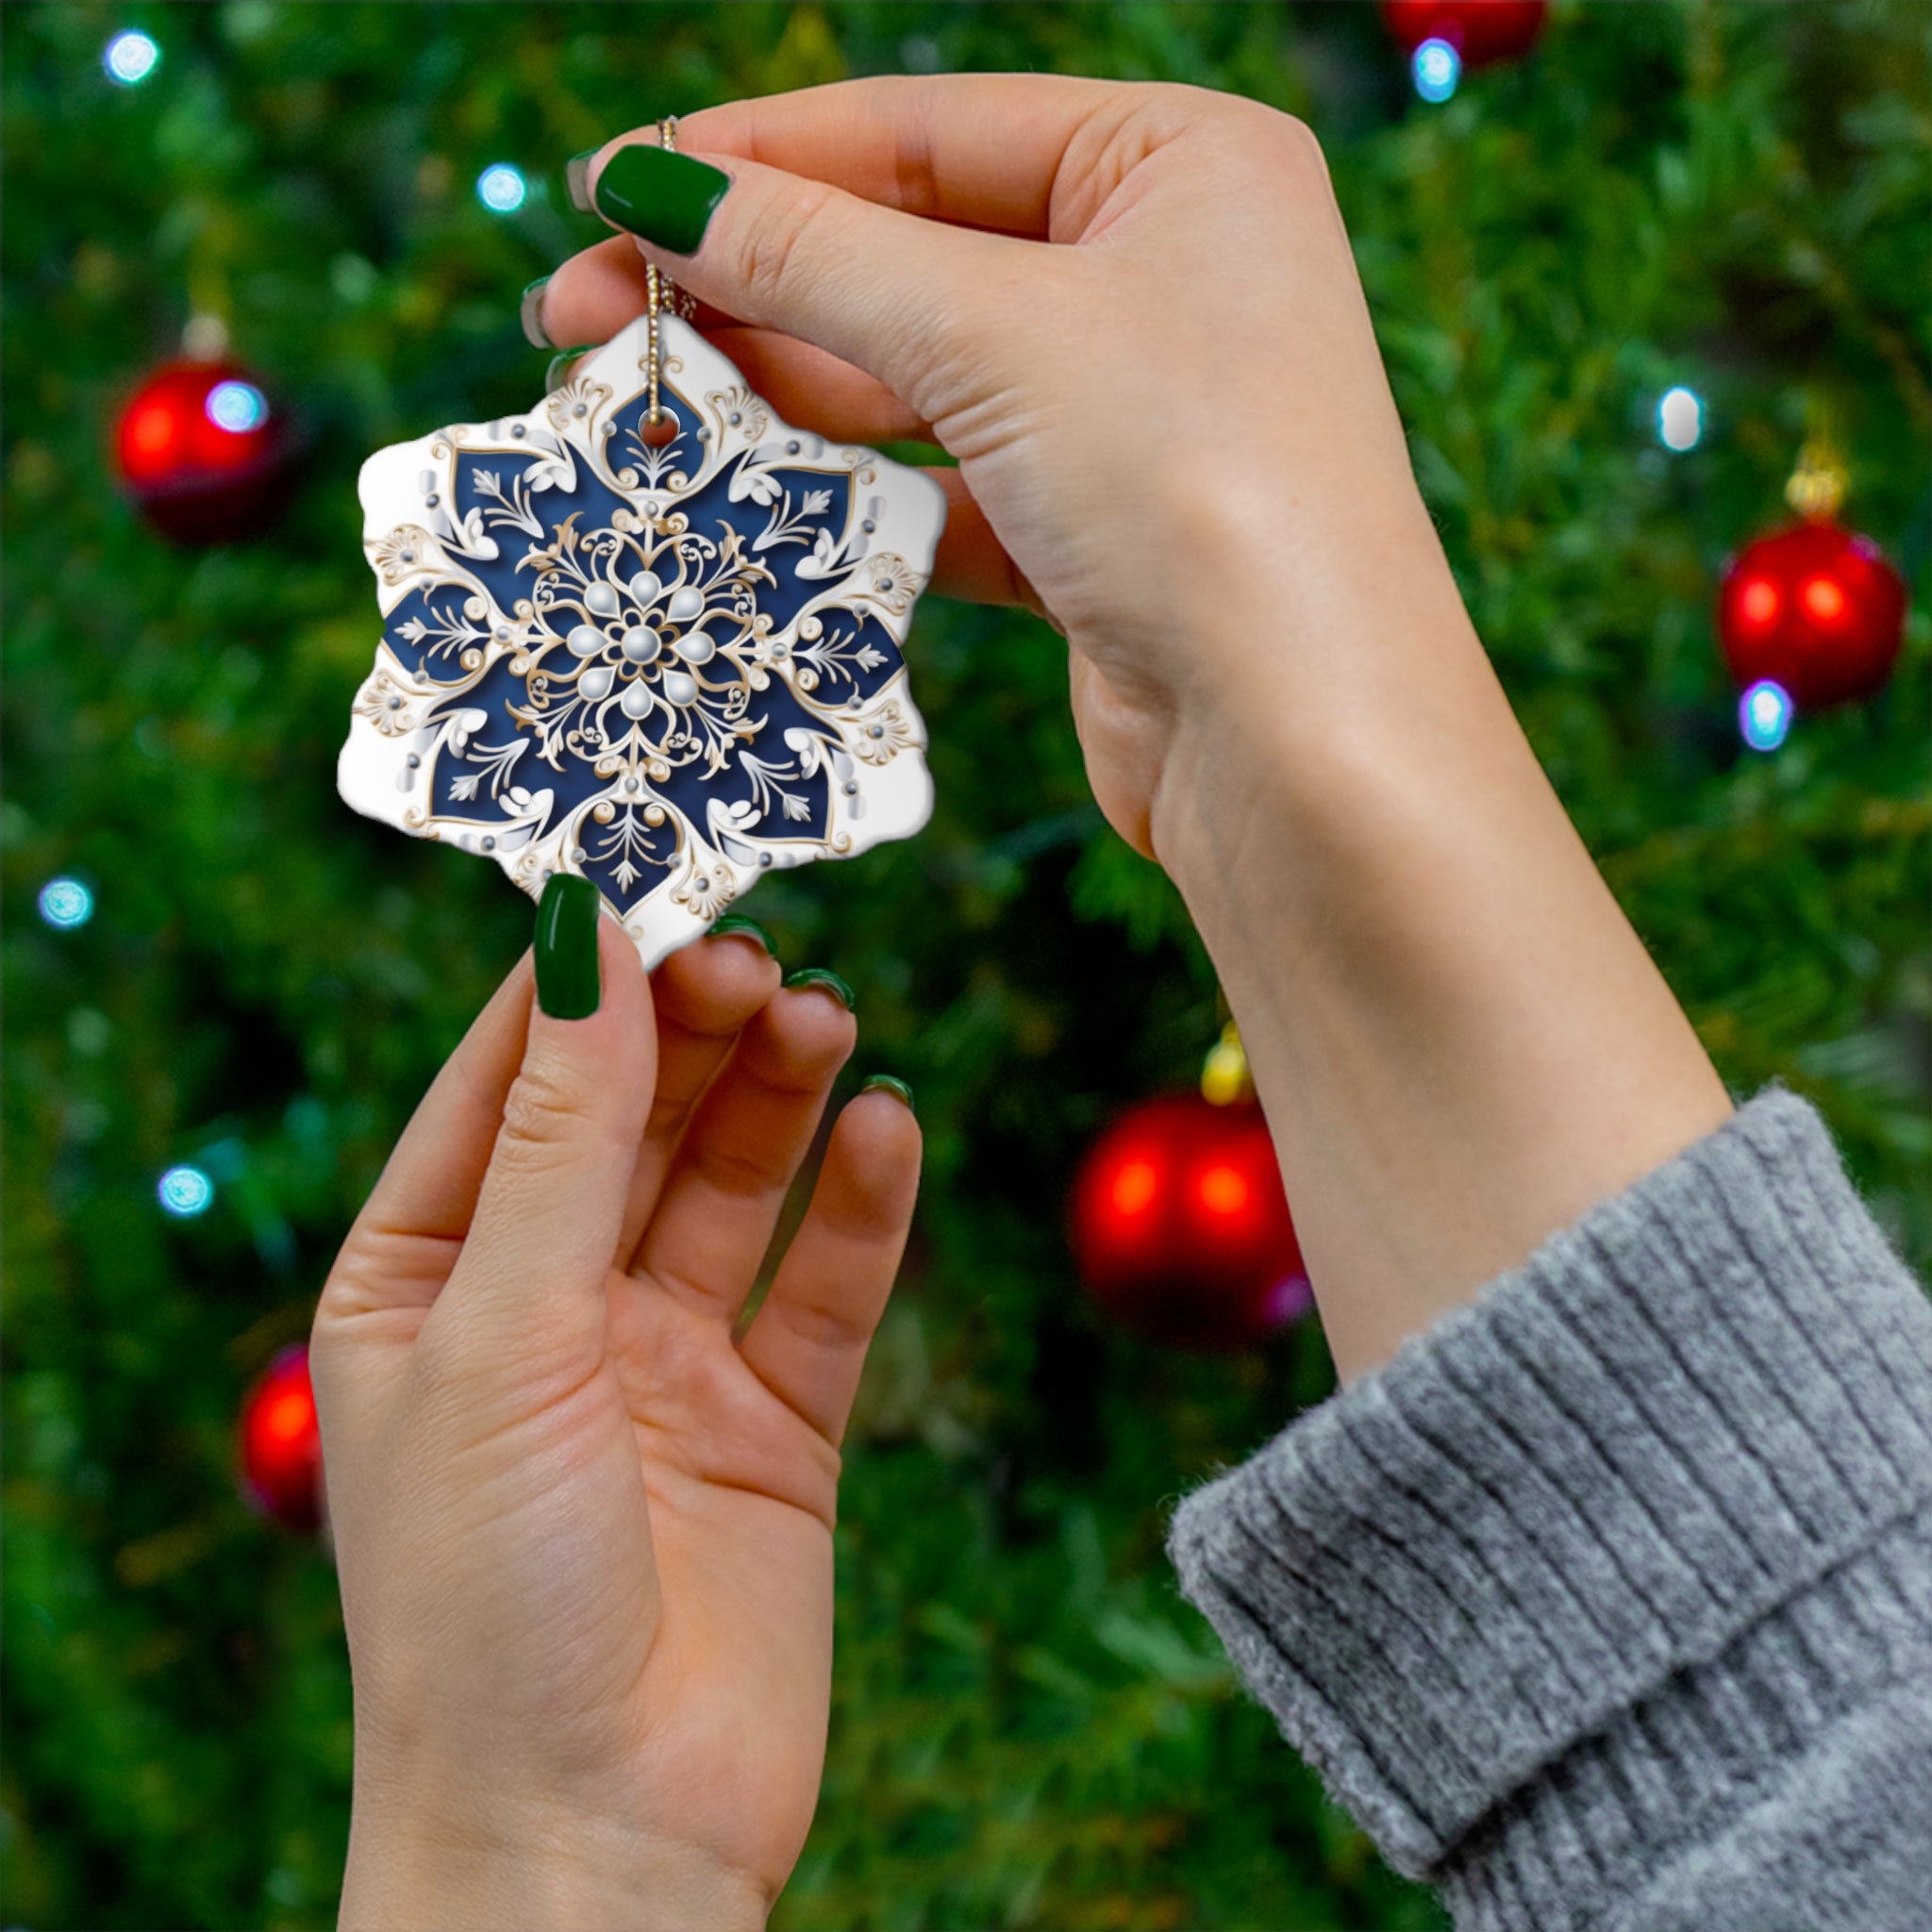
1460, 1043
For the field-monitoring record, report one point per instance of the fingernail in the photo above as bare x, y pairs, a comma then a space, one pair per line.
666, 198
820, 975
737, 921
577, 177
530, 311
568, 982
553, 374
890, 1084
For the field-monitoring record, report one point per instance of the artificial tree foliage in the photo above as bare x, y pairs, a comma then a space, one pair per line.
1030, 1727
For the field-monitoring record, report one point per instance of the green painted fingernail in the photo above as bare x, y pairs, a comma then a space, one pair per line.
568, 982
555, 371
530, 311
891, 1084
737, 921
821, 975
577, 177
666, 198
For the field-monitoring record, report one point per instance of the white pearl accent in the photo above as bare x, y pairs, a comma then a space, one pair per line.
595, 683
641, 644
586, 641
680, 688
686, 602
602, 600
695, 647
637, 700
645, 586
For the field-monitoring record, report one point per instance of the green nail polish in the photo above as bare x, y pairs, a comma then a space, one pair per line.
577, 177
820, 975
893, 1085
737, 921
530, 311
666, 198
568, 982
553, 374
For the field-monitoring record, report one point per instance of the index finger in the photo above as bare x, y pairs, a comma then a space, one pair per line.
983, 150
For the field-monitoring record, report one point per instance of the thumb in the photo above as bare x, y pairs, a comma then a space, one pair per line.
529, 1286
887, 291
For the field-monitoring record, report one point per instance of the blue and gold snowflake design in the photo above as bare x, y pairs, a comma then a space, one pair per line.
666, 660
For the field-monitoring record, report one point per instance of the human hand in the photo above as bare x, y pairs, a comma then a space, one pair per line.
1176, 438
584, 1537
1173, 432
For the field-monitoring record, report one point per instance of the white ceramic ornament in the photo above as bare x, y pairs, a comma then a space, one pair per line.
668, 665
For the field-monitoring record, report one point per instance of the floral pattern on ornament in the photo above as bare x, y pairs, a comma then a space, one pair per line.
669, 662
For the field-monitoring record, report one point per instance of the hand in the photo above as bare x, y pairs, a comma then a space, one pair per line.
585, 1539
1132, 313
1128, 409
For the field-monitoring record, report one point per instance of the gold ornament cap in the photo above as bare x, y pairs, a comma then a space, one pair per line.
1224, 1076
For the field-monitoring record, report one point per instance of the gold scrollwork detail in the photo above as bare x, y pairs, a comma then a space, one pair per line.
707, 888
385, 702
405, 551
882, 736
576, 401
741, 412
886, 579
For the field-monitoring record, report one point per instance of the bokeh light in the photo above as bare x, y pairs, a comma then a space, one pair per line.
1680, 419
1436, 67
66, 903
130, 58
185, 1191
1764, 715
239, 406
1135, 1187
502, 188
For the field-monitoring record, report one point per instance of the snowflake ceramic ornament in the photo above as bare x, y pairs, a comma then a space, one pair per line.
668, 663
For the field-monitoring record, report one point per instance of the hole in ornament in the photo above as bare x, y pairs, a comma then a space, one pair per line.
658, 433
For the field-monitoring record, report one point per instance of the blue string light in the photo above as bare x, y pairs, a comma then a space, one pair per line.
237, 407
185, 1191
130, 58
65, 904
501, 187
1435, 68
1680, 419
1764, 715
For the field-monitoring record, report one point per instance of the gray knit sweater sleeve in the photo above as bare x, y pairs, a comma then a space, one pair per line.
1608, 1603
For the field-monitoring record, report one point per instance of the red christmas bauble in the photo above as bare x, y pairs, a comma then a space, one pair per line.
1481, 31
203, 453
1180, 1226
1816, 609
280, 1443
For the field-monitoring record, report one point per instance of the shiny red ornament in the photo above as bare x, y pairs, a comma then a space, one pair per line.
1481, 31
280, 1443
1815, 609
204, 452
1181, 1229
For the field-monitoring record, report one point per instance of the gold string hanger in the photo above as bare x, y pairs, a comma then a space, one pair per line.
661, 292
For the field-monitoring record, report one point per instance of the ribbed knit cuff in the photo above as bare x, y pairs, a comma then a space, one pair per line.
1613, 1517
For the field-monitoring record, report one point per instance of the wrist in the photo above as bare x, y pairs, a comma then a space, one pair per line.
1336, 679
494, 1868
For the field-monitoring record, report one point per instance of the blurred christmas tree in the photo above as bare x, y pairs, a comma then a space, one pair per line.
245, 983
